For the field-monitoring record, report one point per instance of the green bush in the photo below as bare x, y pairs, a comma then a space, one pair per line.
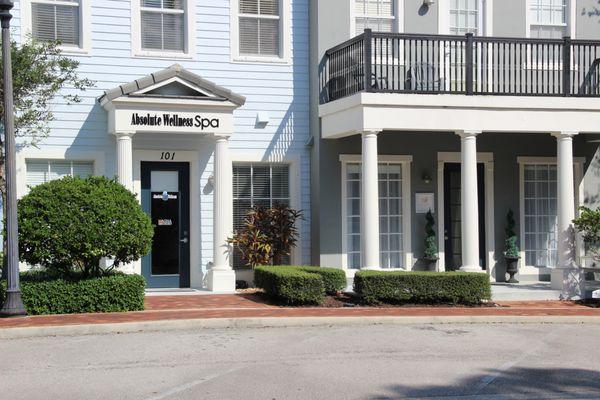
334, 279
70, 224
290, 285
43, 294
422, 287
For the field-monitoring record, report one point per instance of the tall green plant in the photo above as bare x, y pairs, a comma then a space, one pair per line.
511, 248
267, 235
588, 224
431, 249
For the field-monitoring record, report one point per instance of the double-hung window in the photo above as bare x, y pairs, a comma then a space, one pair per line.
548, 19
258, 184
163, 25
259, 24
377, 15
57, 20
42, 171
391, 254
465, 17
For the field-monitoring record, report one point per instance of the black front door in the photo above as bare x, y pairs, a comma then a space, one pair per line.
166, 198
453, 218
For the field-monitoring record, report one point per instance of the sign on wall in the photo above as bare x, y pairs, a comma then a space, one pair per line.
168, 121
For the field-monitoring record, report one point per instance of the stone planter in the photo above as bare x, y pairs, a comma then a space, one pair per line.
430, 264
512, 267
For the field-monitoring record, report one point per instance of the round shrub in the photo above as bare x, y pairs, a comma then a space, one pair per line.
69, 224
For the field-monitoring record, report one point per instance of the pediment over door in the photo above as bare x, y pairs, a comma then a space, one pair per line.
172, 100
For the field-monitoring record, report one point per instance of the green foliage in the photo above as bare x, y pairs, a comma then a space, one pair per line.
334, 279
588, 224
511, 248
43, 294
39, 74
290, 285
431, 250
422, 287
267, 235
70, 224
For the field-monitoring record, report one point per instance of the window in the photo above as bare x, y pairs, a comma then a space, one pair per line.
540, 215
163, 25
257, 185
57, 20
390, 215
42, 171
465, 17
548, 19
377, 15
259, 27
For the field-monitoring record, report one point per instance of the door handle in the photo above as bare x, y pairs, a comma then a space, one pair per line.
184, 240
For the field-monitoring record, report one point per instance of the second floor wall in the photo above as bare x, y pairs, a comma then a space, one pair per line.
339, 20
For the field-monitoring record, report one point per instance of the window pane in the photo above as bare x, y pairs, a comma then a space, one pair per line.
37, 172
269, 7
249, 6
269, 36
249, 36
151, 30
56, 22
173, 30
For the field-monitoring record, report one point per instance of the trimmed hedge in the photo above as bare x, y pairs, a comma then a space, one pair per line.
113, 293
422, 287
334, 279
290, 285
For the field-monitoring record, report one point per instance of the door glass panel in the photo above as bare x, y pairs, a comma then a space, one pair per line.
164, 180
165, 212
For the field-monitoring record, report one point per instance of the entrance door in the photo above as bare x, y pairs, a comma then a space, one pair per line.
452, 216
166, 198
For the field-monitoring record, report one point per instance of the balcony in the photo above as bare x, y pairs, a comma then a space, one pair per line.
377, 62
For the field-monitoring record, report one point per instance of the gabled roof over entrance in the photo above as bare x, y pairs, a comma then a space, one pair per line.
173, 82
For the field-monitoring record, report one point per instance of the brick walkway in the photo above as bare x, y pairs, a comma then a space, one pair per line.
246, 305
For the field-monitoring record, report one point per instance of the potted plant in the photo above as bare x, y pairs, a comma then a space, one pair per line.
511, 252
430, 255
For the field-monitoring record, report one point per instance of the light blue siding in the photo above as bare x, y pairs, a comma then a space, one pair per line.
279, 89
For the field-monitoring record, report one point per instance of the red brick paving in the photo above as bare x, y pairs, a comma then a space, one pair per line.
244, 306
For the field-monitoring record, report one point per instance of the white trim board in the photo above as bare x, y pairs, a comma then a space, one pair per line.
405, 161
487, 159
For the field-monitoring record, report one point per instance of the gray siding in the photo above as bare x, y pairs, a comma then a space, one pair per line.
419, 18
588, 19
509, 18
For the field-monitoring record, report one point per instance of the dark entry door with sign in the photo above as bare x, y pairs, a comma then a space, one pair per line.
165, 197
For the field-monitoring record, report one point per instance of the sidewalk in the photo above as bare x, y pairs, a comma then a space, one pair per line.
244, 307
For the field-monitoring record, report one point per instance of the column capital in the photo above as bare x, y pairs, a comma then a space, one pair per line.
120, 134
564, 134
468, 133
220, 138
370, 132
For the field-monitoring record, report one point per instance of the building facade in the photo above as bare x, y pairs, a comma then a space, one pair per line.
199, 107
468, 109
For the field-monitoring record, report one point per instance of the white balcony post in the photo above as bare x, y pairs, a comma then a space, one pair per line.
221, 277
125, 159
567, 276
469, 202
370, 202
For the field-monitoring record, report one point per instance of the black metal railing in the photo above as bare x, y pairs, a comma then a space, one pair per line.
471, 65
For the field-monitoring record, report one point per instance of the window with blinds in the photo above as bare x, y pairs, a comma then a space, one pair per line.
391, 254
377, 15
163, 25
257, 185
54, 20
259, 27
42, 171
548, 19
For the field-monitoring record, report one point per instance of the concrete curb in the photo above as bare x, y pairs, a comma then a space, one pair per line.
272, 322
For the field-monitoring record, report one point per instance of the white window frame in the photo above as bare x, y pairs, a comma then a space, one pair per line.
293, 162
33, 154
579, 197
285, 36
486, 19
398, 17
85, 25
189, 34
405, 161
571, 12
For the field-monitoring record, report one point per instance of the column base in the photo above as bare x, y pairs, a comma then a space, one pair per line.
221, 280
573, 283
471, 268
556, 278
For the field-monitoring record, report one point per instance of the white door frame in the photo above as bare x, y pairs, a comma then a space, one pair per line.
487, 159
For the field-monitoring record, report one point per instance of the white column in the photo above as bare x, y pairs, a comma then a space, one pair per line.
221, 277
567, 275
469, 201
369, 202
125, 159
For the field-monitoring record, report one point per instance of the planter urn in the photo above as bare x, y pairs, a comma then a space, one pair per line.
512, 267
430, 264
